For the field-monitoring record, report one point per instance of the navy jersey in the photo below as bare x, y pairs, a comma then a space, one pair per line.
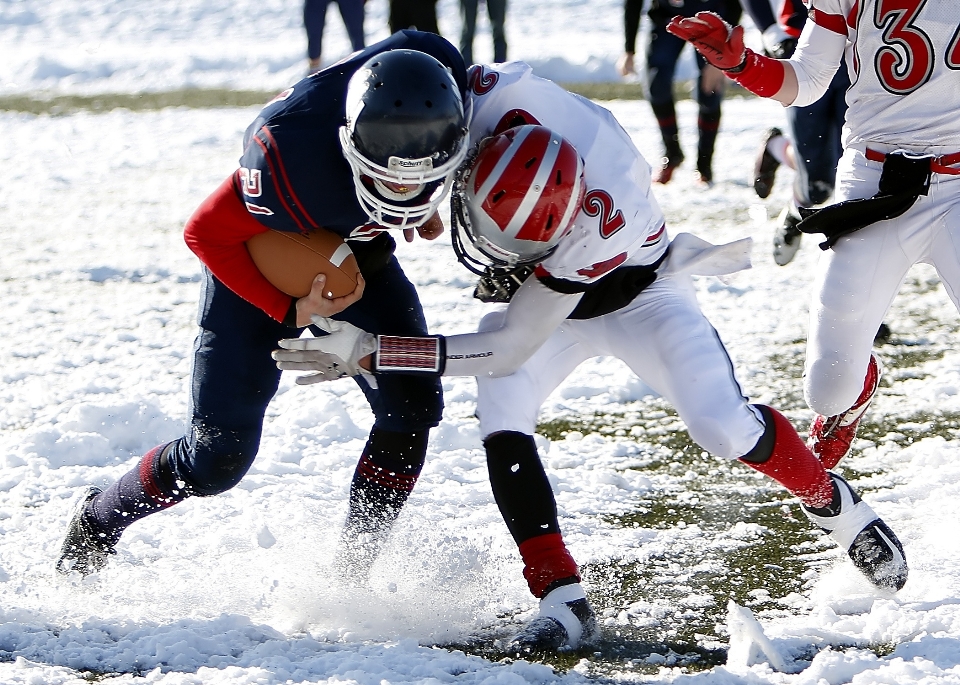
293, 175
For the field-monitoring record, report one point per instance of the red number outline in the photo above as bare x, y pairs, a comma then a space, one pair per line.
902, 74
482, 83
599, 203
952, 58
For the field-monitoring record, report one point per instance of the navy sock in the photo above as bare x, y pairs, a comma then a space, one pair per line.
384, 478
145, 489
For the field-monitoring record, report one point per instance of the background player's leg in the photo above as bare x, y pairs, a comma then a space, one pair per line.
497, 11
352, 11
708, 124
662, 54
314, 18
856, 282
468, 27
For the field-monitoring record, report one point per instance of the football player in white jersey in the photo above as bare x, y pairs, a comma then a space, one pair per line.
898, 182
556, 187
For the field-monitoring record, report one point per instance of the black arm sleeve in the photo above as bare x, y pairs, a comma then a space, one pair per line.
631, 24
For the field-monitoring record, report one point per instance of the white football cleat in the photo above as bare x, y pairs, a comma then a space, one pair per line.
867, 540
566, 621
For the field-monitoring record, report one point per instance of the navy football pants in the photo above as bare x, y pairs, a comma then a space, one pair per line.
815, 130
662, 55
234, 377
314, 18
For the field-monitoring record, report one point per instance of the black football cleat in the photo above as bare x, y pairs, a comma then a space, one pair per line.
83, 550
765, 168
867, 540
566, 621
668, 163
786, 237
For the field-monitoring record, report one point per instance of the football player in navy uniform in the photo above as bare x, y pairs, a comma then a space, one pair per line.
812, 145
563, 203
367, 144
663, 53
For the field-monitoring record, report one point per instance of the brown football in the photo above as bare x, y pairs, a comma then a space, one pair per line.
291, 261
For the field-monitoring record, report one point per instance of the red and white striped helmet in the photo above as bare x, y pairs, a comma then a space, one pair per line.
519, 195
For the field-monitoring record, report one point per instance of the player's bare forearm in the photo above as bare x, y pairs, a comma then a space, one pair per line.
788, 91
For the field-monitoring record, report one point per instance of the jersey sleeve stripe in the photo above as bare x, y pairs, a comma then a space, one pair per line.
291, 202
832, 22
267, 155
286, 181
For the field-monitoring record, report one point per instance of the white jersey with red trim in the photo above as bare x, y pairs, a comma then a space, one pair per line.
904, 62
620, 222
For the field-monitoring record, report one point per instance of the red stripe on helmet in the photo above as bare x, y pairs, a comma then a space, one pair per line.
511, 187
548, 214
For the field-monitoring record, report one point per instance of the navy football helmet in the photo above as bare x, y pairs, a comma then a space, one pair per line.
405, 136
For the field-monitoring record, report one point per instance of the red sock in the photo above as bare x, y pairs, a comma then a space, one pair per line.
794, 466
546, 560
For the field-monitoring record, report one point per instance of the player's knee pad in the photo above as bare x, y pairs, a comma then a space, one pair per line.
402, 451
832, 386
729, 436
406, 404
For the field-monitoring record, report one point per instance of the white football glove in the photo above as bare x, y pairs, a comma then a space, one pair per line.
329, 357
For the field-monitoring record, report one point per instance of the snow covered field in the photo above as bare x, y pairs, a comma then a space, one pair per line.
100, 294
125, 45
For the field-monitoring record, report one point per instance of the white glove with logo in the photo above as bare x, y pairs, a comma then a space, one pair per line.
330, 357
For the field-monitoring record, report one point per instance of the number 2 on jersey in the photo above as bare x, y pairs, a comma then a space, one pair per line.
599, 203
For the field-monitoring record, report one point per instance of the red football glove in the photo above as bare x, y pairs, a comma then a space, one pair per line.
718, 42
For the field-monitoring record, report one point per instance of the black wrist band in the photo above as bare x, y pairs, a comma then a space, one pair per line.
740, 67
290, 320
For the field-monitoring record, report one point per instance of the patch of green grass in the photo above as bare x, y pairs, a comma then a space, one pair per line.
907, 430
910, 356
55, 104
187, 97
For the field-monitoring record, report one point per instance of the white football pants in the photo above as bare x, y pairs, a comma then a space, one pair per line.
665, 339
859, 277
